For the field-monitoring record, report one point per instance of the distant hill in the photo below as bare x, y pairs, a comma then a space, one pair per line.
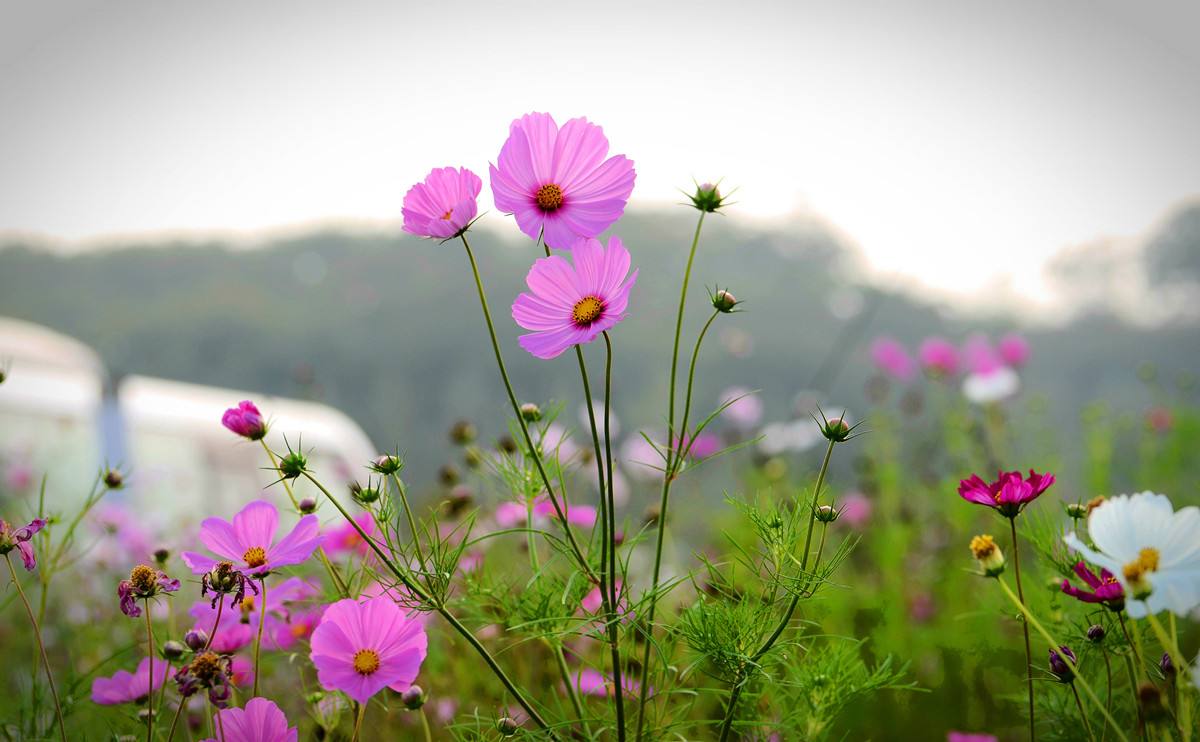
388, 328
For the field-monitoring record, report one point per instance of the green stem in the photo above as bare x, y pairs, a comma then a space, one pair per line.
608, 577
175, 719
1012, 522
608, 458
457, 625
262, 621
1087, 689
516, 408
786, 619
1133, 674
1182, 704
412, 523
358, 722
1082, 714
572, 692
37, 635
150, 674
425, 725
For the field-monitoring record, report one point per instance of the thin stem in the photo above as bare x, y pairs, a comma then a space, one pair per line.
609, 582
1012, 522
262, 621
565, 674
220, 722
786, 619
343, 589
1133, 674
37, 635
358, 722
216, 624
457, 625
608, 458
516, 407
150, 673
1082, 714
1108, 686
412, 524
175, 719
1184, 707
1087, 689
425, 725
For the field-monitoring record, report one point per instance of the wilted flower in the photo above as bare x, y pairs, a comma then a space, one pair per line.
245, 420
938, 357
207, 671
443, 205
19, 539
144, 583
260, 721
361, 648
127, 687
557, 183
1009, 494
571, 305
249, 541
1151, 549
892, 359
1059, 666
1105, 589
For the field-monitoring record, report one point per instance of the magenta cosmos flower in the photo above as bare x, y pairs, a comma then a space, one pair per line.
443, 205
245, 420
260, 721
129, 687
362, 648
557, 182
1105, 589
571, 305
249, 541
938, 356
892, 359
19, 539
1013, 350
1009, 494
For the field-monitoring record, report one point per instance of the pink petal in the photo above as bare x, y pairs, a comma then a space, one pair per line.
255, 525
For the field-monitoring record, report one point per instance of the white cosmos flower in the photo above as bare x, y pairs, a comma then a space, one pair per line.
1153, 550
993, 386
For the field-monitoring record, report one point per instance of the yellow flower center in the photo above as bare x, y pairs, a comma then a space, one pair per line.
1147, 561
586, 311
549, 197
247, 607
142, 578
447, 215
299, 630
983, 546
366, 661
255, 556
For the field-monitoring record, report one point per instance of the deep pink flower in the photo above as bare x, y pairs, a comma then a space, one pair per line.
249, 541
260, 721
743, 408
241, 671
938, 356
245, 420
891, 358
571, 305
19, 539
1013, 350
1105, 589
701, 447
127, 687
969, 737
855, 510
443, 204
557, 183
583, 516
344, 539
591, 682
1009, 494
362, 648
980, 357
239, 622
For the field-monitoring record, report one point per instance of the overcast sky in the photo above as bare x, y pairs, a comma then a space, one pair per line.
959, 143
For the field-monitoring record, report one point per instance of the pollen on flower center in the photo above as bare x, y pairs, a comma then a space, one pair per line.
207, 667
366, 661
255, 556
1147, 561
983, 547
586, 311
142, 578
447, 215
549, 197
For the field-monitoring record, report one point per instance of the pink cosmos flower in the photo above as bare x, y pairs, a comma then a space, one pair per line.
744, 410
1105, 589
260, 721
1013, 350
557, 183
124, 538
19, 539
980, 357
239, 623
510, 514
855, 510
362, 648
938, 356
127, 687
344, 539
245, 420
1009, 494
969, 737
573, 305
249, 541
892, 359
231, 633
591, 682
443, 204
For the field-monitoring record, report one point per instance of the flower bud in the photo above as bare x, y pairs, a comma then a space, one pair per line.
314, 698
448, 475
1166, 666
462, 432
196, 639
413, 698
307, 505
364, 495
161, 555
827, 514
292, 465
507, 445
472, 457
113, 479
707, 197
836, 430
387, 464
987, 555
1076, 510
1095, 633
723, 301
507, 726
172, 650
530, 412
1058, 665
